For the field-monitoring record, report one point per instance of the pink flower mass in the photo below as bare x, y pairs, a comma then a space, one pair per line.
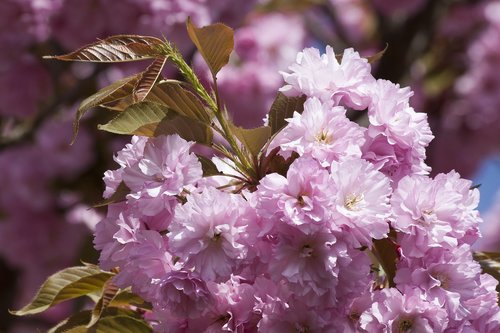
307, 248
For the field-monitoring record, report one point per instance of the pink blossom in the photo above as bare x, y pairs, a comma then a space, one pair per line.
438, 212
301, 199
308, 262
165, 167
446, 278
184, 294
361, 200
393, 311
163, 171
296, 317
389, 113
115, 234
127, 157
208, 233
322, 132
147, 262
322, 76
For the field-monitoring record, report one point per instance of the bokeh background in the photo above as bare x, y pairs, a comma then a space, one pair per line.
447, 51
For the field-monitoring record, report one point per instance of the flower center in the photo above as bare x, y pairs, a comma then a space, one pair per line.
158, 177
443, 279
405, 325
324, 137
424, 219
352, 201
306, 251
301, 328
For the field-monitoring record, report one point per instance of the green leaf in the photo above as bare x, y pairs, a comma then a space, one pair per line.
179, 99
120, 195
187, 128
113, 320
490, 264
67, 284
126, 298
253, 139
148, 78
71, 324
109, 292
215, 43
209, 168
119, 48
283, 107
377, 56
111, 93
122, 324
140, 119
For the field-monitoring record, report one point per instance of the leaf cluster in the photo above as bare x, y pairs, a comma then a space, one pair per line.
115, 310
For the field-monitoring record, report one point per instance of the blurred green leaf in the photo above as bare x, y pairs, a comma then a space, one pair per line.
66, 284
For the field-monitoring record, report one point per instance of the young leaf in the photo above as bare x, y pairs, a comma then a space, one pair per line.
253, 139
148, 78
67, 284
376, 57
283, 107
111, 93
120, 195
120, 104
209, 168
117, 48
215, 43
179, 99
141, 119
189, 129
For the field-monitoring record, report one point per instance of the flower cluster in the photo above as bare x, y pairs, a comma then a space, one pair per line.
307, 249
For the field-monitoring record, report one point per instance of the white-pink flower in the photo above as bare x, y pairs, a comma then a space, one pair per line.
361, 200
208, 233
434, 212
301, 199
322, 131
322, 76
393, 311
166, 166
